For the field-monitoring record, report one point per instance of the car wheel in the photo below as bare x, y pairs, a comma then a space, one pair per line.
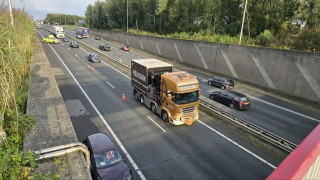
153, 108
141, 99
164, 116
222, 87
209, 82
212, 96
231, 106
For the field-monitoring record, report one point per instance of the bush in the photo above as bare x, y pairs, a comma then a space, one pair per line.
308, 40
264, 38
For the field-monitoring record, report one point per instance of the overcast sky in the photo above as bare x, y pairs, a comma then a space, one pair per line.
40, 8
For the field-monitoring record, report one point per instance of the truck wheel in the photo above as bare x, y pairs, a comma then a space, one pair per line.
153, 108
136, 95
164, 116
141, 99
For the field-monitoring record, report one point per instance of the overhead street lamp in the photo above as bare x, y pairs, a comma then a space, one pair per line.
244, 15
127, 16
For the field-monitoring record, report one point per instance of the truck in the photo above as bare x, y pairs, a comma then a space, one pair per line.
174, 96
58, 31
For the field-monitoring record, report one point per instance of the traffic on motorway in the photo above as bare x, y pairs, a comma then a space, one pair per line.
226, 99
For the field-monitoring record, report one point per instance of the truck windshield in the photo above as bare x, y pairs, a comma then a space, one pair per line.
185, 98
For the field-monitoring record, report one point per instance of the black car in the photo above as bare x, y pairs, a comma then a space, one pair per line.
104, 47
93, 57
232, 99
66, 39
221, 82
106, 160
97, 38
74, 44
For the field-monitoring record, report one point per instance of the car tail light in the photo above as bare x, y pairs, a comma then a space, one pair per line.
240, 103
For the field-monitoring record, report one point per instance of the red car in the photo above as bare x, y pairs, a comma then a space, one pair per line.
125, 48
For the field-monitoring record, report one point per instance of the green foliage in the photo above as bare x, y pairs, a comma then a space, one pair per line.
308, 40
264, 38
16, 49
222, 18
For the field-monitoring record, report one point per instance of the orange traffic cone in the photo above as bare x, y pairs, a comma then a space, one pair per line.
92, 68
123, 97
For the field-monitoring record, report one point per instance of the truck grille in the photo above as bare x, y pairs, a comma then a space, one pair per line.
188, 111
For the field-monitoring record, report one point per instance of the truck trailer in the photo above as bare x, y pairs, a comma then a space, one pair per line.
172, 95
58, 31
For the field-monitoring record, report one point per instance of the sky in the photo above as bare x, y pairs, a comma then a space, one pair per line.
40, 8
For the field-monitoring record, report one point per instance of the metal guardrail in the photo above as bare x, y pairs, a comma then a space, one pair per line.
260, 132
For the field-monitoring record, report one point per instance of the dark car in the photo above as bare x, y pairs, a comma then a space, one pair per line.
221, 82
106, 160
78, 36
74, 44
66, 39
104, 47
97, 38
125, 48
232, 99
93, 57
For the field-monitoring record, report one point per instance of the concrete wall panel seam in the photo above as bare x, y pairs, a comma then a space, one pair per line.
263, 72
230, 66
177, 50
201, 57
141, 45
308, 76
159, 52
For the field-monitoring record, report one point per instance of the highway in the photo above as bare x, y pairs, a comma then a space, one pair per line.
287, 120
155, 149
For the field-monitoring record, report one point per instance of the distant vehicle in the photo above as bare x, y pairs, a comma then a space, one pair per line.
39, 26
98, 38
104, 47
74, 44
78, 36
232, 99
84, 32
58, 31
106, 160
66, 39
50, 39
45, 28
221, 82
125, 48
94, 57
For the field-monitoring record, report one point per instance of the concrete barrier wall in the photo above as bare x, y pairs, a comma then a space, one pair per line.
292, 72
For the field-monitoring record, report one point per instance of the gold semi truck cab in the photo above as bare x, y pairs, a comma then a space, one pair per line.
179, 93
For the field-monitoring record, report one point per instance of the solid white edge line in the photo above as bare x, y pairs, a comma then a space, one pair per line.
102, 118
156, 124
110, 85
233, 142
285, 109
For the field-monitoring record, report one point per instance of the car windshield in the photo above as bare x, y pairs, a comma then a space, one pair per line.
185, 98
244, 99
107, 159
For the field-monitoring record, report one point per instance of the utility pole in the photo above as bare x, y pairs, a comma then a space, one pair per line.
10, 12
65, 20
244, 15
127, 16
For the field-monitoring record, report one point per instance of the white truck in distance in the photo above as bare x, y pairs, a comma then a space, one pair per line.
58, 31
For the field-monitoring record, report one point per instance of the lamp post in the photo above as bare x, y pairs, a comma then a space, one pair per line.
127, 16
10, 12
244, 15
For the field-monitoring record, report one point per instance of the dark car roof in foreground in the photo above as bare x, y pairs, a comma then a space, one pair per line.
101, 143
237, 93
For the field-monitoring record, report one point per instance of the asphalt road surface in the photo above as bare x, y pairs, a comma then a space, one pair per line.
155, 149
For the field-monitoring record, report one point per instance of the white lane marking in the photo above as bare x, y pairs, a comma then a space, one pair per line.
156, 124
285, 109
110, 85
135, 166
241, 147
